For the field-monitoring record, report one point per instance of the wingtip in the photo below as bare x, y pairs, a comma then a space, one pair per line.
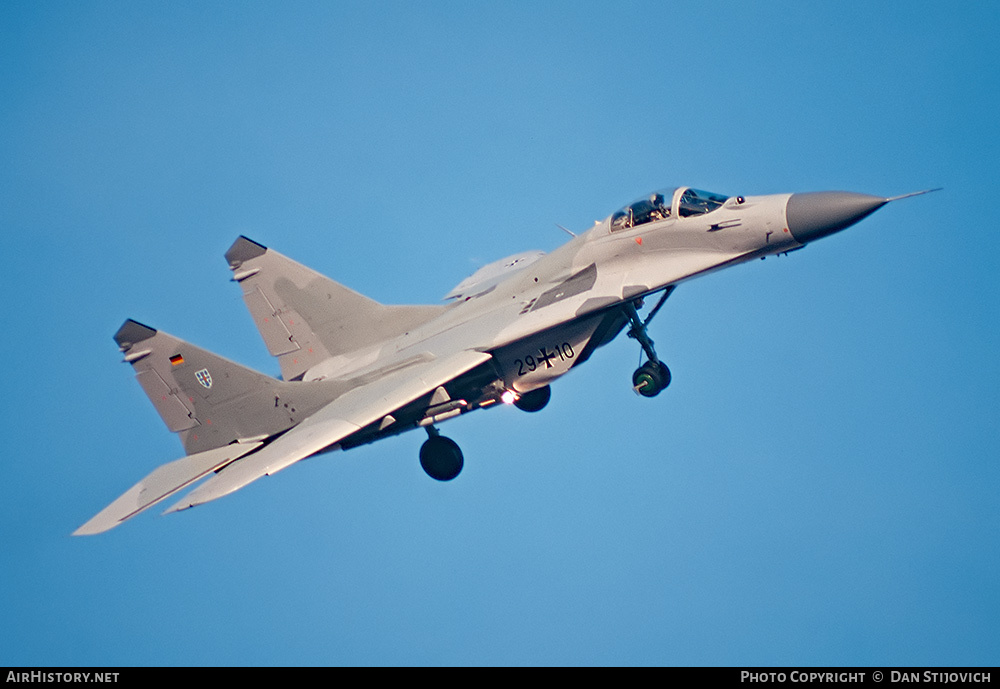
97, 524
178, 506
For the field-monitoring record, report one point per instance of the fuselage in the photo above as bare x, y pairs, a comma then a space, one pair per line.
538, 318
539, 315
355, 370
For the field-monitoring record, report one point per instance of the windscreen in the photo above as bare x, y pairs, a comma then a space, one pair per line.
696, 202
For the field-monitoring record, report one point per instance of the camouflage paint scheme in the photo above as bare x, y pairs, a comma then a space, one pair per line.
354, 370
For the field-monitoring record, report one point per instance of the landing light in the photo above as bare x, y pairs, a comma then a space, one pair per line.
508, 397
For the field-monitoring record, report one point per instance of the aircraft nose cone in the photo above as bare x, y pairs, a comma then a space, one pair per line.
816, 214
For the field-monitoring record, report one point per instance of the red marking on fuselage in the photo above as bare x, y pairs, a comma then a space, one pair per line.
638, 240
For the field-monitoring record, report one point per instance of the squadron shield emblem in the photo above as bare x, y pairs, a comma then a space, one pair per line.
204, 377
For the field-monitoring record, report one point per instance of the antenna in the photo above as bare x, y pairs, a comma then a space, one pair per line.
571, 234
915, 193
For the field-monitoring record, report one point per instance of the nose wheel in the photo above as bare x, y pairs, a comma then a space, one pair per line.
652, 378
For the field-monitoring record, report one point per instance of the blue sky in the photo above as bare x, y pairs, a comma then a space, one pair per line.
818, 485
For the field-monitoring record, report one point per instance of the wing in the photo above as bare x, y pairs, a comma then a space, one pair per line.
337, 420
166, 480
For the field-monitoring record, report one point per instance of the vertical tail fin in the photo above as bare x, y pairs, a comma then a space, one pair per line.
210, 401
305, 317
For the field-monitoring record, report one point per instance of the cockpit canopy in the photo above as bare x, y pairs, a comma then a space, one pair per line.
696, 202
660, 206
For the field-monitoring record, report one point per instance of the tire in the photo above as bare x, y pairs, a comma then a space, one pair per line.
650, 379
534, 400
441, 458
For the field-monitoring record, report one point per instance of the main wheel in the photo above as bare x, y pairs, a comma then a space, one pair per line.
441, 458
650, 379
534, 400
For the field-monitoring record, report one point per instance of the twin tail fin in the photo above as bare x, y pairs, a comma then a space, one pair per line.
305, 317
208, 400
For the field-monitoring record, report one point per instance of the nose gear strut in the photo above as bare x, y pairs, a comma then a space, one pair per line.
650, 379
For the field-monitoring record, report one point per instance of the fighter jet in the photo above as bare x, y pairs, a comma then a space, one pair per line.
354, 371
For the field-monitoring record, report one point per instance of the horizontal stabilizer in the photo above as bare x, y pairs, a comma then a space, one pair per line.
208, 400
333, 423
162, 483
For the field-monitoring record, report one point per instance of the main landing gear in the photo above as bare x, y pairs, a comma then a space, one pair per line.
652, 378
534, 400
441, 457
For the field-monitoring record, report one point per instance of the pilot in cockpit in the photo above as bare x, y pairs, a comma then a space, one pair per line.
660, 210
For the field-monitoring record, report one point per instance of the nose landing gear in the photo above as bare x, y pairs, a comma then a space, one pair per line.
650, 379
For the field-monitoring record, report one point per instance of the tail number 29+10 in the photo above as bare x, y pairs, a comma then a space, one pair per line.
544, 358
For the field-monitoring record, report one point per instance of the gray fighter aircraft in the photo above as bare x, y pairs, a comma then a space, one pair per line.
354, 370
